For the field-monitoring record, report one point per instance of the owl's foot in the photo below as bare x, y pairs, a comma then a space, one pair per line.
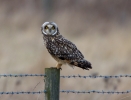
58, 66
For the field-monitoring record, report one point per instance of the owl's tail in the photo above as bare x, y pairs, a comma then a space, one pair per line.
84, 64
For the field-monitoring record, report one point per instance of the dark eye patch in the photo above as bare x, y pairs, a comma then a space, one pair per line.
46, 27
53, 27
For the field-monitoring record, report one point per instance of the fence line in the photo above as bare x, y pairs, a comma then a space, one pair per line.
52, 80
69, 76
96, 91
21, 75
70, 91
92, 76
23, 92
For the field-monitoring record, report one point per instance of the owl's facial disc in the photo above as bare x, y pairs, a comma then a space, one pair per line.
49, 28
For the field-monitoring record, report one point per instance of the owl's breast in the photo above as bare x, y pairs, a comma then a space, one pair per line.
51, 46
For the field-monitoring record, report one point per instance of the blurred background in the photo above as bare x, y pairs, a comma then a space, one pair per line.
101, 29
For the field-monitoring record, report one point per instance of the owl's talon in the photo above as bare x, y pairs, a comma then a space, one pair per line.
60, 68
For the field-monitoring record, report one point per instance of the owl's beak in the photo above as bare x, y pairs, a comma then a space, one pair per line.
50, 30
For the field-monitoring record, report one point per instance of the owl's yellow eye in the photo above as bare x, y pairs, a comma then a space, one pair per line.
53, 27
46, 27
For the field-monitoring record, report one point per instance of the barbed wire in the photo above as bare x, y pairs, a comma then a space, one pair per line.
96, 91
93, 76
69, 76
67, 91
23, 92
70, 91
21, 75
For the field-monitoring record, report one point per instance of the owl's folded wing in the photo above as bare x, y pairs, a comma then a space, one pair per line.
66, 50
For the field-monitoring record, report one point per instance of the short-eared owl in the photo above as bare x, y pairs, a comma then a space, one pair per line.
61, 49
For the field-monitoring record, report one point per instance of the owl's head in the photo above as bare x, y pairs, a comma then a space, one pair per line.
49, 28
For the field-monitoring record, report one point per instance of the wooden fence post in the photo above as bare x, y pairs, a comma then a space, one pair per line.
52, 83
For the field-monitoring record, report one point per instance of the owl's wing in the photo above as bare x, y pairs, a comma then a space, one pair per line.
66, 50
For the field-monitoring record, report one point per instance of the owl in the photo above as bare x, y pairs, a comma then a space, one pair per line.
61, 49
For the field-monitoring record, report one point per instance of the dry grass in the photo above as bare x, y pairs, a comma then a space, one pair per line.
106, 44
